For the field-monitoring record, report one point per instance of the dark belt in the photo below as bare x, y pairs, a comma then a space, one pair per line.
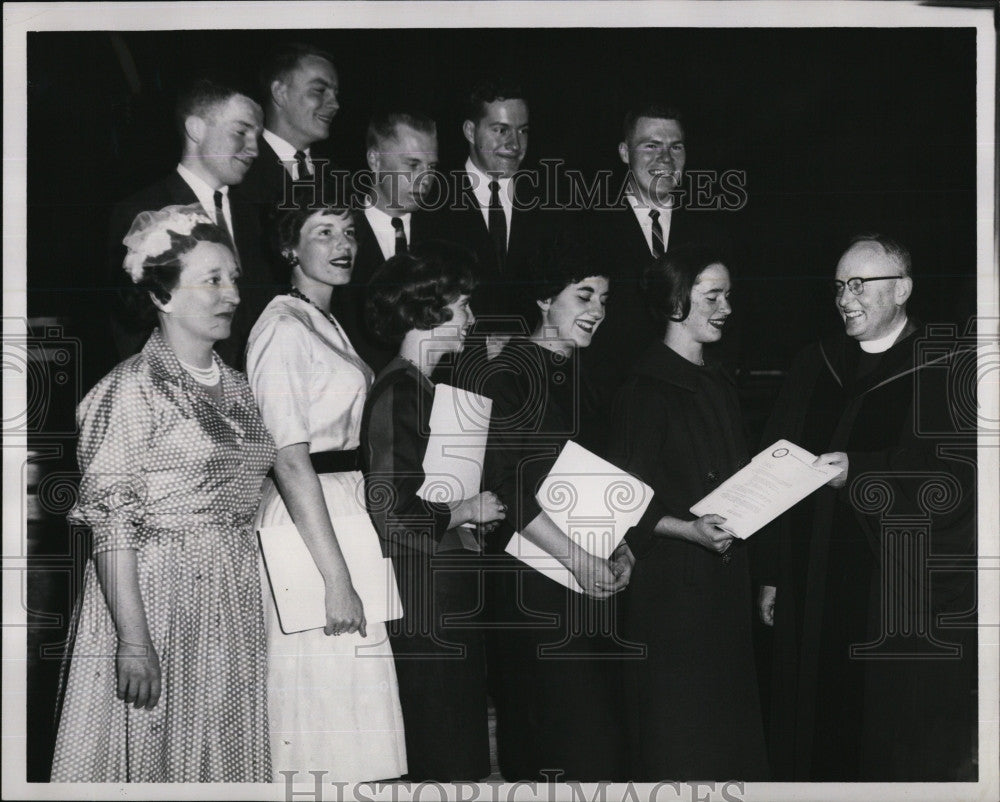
336, 461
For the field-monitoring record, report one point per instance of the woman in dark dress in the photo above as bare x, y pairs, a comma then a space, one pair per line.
555, 679
692, 704
420, 300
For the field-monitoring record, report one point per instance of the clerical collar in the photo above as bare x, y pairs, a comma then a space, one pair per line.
883, 343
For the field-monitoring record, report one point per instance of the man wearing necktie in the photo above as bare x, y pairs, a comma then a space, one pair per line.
219, 127
640, 224
299, 87
490, 212
402, 155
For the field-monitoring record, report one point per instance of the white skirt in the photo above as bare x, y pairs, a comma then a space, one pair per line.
333, 701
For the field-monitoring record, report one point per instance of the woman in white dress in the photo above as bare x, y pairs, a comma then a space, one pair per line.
333, 703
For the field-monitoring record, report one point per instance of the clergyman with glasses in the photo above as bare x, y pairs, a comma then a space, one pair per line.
873, 614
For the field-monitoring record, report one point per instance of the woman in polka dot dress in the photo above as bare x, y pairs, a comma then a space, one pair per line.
166, 681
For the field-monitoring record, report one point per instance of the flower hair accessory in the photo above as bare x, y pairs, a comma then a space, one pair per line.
149, 235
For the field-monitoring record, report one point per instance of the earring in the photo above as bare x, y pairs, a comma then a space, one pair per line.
291, 258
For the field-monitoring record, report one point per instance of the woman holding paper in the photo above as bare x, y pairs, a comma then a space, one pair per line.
420, 301
332, 701
553, 649
692, 704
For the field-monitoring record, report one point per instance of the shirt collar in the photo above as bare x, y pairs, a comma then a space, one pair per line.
284, 150
642, 210
883, 343
204, 193
481, 184
380, 221
164, 362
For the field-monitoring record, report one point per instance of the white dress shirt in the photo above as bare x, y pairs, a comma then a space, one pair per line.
286, 154
206, 197
481, 190
385, 234
642, 215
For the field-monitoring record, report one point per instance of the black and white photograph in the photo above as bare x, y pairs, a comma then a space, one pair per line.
501, 401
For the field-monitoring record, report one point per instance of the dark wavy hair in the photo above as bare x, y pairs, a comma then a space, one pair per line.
161, 273
667, 282
412, 290
281, 61
488, 90
565, 258
287, 225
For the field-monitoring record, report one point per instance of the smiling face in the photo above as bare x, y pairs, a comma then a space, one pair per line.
655, 156
882, 304
452, 333
403, 165
709, 306
305, 102
226, 142
499, 140
202, 305
325, 250
574, 314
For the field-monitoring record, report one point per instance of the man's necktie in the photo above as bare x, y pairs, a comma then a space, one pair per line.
397, 225
498, 224
220, 218
301, 166
654, 216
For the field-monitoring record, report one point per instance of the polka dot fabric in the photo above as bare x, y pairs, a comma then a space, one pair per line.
177, 477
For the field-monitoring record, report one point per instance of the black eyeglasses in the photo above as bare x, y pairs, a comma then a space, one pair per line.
856, 285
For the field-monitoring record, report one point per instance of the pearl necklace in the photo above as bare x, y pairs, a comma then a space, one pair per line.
207, 376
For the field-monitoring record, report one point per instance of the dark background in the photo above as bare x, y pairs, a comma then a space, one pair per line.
840, 131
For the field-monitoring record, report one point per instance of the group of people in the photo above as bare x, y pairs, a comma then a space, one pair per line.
602, 328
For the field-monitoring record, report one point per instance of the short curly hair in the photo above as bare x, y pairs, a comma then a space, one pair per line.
412, 290
286, 227
567, 257
667, 282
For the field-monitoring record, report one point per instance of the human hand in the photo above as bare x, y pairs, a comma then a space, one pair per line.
138, 669
594, 575
765, 604
344, 611
837, 459
708, 531
622, 563
487, 508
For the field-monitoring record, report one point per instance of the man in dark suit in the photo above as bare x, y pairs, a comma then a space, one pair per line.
299, 87
219, 129
489, 209
647, 217
402, 153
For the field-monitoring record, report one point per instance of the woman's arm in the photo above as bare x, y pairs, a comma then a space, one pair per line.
303, 496
593, 574
137, 664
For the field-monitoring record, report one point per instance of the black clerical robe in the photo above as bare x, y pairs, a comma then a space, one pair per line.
875, 646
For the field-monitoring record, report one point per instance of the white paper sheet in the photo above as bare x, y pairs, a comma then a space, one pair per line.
776, 479
453, 462
297, 585
593, 502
